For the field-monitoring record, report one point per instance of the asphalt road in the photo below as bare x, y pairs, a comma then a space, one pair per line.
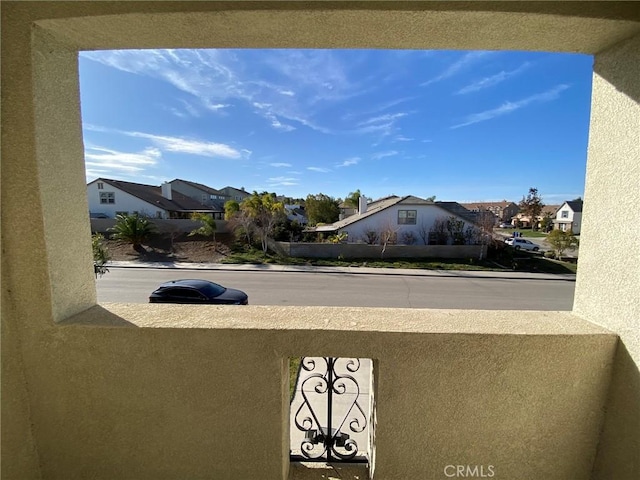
451, 290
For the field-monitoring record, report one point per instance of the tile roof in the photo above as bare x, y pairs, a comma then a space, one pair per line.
153, 195
503, 204
376, 206
575, 205
199, 186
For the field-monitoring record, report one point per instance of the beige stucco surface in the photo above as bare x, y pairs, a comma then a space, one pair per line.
149, 392
608, 287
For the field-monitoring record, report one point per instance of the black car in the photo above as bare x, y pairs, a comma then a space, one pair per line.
197, 292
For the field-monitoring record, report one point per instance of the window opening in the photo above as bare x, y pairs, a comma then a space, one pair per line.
331, 409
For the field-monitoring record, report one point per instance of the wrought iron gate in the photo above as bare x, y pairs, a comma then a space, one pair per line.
330, 412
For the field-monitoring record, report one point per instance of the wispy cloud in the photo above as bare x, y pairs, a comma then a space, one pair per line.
105, 161
349, 162
189, 146
463, 62
402, 138
380, 155
300, 82
280, 164
319, 169
282, 181
510, 107
492, 80
178, 144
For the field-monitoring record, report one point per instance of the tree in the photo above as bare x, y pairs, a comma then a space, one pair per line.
230, 209
432, 198
321, 208
133, 229
265, 212
100, 255
547, 222
208, 225
561, 241
439, 231
353, 199
455, 227
531, 206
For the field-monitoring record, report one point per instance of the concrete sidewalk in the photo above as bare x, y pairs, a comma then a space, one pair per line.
344, 270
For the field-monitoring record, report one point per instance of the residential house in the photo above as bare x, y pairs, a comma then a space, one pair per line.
109, 198
409, 219
207, 196
568, 217
504, 210
232, 193
525, 220
346, 210
103, 391
296, 213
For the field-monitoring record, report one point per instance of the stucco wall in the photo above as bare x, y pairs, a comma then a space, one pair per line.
124, 202
608, 286
131, 397
328, 250
387, 220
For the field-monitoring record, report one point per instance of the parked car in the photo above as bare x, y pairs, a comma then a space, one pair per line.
522, 244
197, 292
505, 225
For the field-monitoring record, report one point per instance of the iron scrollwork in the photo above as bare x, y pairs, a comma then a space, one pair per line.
326, 433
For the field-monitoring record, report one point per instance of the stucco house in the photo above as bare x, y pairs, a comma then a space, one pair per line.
410, 219
109, 198
232, 193
205, 195
525, 220
117, 390
504, 210
568, 217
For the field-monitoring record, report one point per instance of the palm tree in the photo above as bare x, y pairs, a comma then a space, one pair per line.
208, 227
133, 229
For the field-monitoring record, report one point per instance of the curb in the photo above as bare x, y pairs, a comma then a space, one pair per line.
346, 270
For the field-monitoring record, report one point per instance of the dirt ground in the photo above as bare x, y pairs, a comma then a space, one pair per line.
184, 249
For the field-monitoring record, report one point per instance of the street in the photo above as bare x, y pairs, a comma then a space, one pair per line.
459, 290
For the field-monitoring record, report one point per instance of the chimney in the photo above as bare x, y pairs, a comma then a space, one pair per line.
362, 204
166, 190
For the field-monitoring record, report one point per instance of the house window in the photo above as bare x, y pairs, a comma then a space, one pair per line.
564, 214
100, 185
107, 197
158, 214
407, 217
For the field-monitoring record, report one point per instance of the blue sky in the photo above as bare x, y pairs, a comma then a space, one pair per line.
464, 126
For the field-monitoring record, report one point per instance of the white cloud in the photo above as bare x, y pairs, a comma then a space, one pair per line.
282, 181
104, 161
387, 118
349, 162
280, 164
191, 147
463, 62
492, 80
179, 144
319, 169
402, 138
380, 155
509, 107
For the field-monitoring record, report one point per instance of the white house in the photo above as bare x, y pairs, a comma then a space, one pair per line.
296, 213
113, 197
203, 194
569, 217
410, 219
